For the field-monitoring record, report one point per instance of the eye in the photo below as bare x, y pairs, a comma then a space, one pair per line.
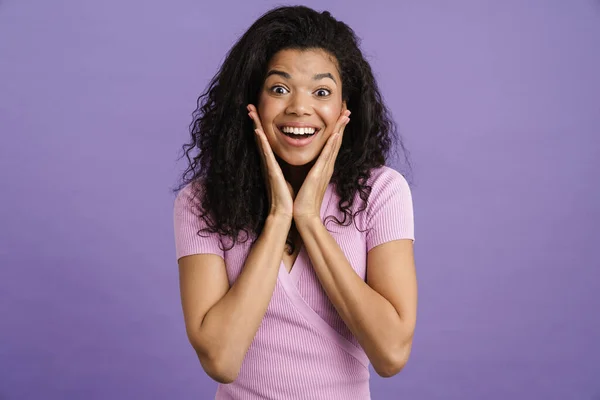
322, 92
279, 90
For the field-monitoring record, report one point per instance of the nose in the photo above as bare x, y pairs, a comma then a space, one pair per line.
299, 104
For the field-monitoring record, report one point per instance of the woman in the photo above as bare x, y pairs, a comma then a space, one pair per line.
296, 307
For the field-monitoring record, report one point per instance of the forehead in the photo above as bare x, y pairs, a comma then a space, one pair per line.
304, 62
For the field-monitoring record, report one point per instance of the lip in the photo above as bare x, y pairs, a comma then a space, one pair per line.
299, 142
297, 125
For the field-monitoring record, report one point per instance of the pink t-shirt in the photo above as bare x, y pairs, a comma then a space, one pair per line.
303, 349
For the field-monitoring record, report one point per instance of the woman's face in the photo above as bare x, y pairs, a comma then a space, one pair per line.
302, 88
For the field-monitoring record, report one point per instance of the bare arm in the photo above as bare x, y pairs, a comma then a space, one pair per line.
221, 322
381, 312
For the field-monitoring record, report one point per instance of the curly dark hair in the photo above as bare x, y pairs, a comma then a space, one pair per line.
222, 153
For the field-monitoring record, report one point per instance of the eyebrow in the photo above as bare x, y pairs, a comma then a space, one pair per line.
288, 76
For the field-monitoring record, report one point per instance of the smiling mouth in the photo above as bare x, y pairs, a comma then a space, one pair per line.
298, 133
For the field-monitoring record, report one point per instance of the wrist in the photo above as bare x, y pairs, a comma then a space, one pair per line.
307, 220
279, 219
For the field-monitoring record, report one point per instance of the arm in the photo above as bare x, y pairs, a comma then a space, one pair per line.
381, 313
221, 322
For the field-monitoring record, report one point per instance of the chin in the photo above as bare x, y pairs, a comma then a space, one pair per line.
297, 160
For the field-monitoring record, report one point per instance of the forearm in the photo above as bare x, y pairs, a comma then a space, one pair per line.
232, 322
375, 323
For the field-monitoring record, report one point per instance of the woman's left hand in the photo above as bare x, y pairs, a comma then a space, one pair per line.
307, 203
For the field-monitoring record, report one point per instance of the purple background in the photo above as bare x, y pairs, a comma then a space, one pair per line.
499, 104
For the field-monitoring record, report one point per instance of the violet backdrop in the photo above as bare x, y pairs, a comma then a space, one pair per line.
497, 101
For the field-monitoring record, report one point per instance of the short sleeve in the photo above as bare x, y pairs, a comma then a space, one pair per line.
389, 213
187, 223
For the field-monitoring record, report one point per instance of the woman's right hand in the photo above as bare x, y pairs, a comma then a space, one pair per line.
279, 191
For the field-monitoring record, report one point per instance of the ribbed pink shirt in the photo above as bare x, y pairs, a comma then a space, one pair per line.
303, 349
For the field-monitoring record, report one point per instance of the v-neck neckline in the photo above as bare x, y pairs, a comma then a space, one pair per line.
299, 265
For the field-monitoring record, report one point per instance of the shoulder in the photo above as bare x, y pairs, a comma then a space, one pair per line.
387, 180
188, 222
389, 211
187, 191
384, 174
187, 197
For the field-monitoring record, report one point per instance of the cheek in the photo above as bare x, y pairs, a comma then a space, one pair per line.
330, 112
268, 108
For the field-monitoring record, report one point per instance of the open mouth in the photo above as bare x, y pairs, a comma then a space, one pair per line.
298, 133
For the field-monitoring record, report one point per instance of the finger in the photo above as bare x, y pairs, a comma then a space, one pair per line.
253, 113
251, 108
341, 137
263, 164
331, 148
345, 121
261, 150
269, 157
340, 132
342, 120
339, 129
337, 145
259, 143
325, 155
255, 119
258, 135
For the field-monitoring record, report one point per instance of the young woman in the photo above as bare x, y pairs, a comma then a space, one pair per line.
288, 146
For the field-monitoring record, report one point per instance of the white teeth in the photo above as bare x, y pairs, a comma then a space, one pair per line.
298, 131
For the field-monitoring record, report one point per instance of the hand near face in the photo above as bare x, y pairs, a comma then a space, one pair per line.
307, 203
279, 191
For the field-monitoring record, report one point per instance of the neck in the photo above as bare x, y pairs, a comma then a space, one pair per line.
295, 175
